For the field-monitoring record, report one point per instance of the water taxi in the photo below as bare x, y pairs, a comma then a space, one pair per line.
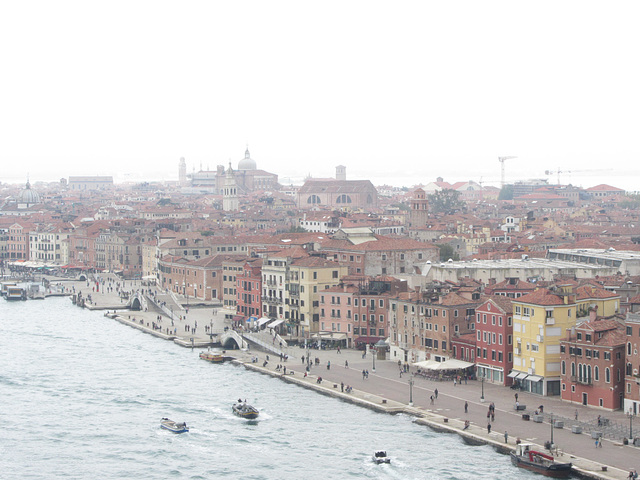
381, 457
244, 410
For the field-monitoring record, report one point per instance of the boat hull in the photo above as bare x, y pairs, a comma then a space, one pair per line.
556, 470
246, 411
173, 426
212, 357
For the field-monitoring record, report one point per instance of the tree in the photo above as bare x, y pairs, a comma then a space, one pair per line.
506, 193
446, 252
297, 229
445, 201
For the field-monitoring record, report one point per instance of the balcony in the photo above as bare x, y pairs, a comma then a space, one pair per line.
540, 338
272, 300
271, 283
550, 321
585, 381
294, 294
517, 351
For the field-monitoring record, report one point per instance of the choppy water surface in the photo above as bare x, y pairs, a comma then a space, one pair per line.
81, 396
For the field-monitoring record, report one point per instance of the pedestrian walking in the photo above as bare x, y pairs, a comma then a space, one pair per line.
466, 407
431, 397
364, 374
597, 442
506, 437
488, 427
346, 364
576, 414
516, 395
342, 386
454, 382
436, 392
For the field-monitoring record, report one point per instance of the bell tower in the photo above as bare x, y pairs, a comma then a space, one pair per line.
230, 191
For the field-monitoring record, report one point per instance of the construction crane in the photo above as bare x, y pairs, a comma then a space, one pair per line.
569, 172
502, 160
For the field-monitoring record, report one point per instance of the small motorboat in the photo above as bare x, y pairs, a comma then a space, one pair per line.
173, 426
381, 457
212, 357
244, 410
528, 458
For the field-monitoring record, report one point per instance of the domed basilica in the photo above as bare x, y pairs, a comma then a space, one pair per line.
248, 177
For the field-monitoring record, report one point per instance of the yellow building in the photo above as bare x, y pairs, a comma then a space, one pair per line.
590, 296
291, 280
540, 321
308, 276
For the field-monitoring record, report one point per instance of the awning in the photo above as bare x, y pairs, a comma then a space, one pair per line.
275, 323
330, 336
521, 376
451, 364
513, 374
367, 339
252, 319
263, 320
534, 378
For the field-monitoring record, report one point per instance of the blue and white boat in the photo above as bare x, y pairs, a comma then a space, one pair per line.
173, 426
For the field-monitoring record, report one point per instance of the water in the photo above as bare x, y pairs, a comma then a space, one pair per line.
82, 397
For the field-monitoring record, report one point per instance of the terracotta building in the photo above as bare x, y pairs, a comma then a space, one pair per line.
592, 363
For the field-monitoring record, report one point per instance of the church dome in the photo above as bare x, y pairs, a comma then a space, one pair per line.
247, 163
28, 195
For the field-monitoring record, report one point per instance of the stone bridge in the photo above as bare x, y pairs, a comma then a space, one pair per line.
231, 340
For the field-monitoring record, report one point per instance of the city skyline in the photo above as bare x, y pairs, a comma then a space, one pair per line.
403, 94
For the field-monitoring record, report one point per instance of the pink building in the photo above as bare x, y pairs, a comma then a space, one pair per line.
249, 289
18, 242
494, 340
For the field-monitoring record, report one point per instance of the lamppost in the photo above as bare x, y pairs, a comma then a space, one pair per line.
306, 342
551, 421
373, 355
482, 383
411, 391
630, 426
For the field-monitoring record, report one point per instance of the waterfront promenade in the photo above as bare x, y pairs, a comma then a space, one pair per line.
385, 390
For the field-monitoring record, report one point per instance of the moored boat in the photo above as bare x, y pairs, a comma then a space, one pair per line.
244, 410
381, 457
212, 357
16, 293
173, 426
526, 457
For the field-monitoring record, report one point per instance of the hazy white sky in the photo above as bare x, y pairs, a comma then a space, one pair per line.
396, 91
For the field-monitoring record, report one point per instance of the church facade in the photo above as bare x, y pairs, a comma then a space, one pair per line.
248, 178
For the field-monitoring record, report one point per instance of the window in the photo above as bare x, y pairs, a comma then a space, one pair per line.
381, 303
607, 375
518, 311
